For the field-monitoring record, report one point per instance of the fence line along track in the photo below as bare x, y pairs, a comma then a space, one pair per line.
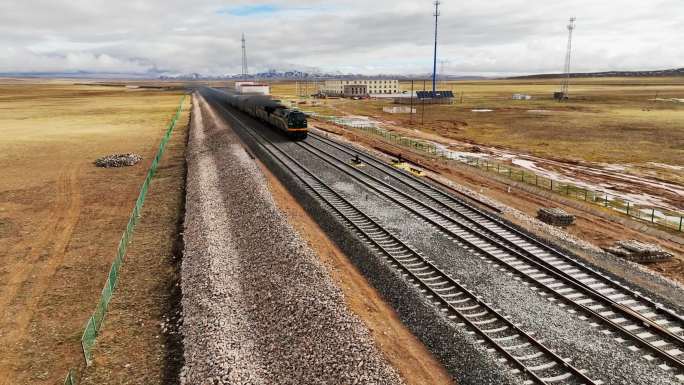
648, 324
526, 354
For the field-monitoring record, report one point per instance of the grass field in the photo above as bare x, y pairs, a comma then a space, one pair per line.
610, 120
61, 217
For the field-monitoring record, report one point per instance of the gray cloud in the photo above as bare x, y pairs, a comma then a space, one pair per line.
381, 36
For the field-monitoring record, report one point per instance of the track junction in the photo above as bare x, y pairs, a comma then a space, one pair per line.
648, 332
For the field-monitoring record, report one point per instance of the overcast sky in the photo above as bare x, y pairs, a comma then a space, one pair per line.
357, 36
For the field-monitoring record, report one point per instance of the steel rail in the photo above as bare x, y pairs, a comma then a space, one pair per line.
587, 270
549, 270
369, 235
383, 167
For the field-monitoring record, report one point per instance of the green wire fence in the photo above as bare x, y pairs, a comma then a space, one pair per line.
94, 323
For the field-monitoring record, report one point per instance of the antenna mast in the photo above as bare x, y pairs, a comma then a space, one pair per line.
434, 60
244, 58
566, 79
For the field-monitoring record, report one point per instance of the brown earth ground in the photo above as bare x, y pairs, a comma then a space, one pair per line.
139, 343
608, 122
61, 217
416, 365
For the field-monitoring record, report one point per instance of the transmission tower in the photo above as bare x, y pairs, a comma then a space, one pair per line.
566, 71
244, 58
434, 60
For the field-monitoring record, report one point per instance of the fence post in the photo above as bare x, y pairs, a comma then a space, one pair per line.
498, 168
585, 195
606, 201
551, 184
652, 215
627, 207
681, 219
536, 180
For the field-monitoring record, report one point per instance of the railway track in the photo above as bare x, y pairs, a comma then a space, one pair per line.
641, 322
528, 357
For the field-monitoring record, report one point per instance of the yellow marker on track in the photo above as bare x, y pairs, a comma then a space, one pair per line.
409, 168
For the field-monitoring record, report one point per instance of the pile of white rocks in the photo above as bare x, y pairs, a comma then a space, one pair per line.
118, 160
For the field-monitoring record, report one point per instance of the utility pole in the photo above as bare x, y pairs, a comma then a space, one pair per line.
422, 112
434, 59
411, 109
566, 80
244, 58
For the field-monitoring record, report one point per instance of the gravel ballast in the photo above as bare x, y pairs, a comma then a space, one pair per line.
459, 351
588, 346
259, 308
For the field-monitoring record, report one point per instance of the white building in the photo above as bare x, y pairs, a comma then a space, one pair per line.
252, 88
521, 97
374, 86
399, 110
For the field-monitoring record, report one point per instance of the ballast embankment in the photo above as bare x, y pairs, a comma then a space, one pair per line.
258, 306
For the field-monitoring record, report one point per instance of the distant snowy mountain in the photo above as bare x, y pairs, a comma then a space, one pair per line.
655, 73
302, 75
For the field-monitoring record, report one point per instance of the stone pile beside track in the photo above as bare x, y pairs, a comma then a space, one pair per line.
118, 160
258, 307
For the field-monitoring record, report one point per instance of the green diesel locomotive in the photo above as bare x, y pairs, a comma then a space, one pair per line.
291, 122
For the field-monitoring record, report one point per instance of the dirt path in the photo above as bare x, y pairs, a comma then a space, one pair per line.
139, 343
23, 294
60, 216
406, 353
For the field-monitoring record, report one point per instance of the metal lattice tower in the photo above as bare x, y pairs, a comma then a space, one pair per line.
434, 60
244, 58
566, 70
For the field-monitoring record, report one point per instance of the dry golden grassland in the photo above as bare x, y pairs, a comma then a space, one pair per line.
60, 216
610, 120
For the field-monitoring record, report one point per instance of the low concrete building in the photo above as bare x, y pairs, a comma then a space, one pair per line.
252, 88
373, 86
521, 97
399, 110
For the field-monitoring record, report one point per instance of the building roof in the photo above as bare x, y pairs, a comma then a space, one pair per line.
434, 95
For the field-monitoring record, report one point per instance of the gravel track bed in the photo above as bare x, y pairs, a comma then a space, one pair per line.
585, 344
671, 289
259, 308
469, 362
664, 289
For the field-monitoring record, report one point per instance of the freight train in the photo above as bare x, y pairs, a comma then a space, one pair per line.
291, 122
